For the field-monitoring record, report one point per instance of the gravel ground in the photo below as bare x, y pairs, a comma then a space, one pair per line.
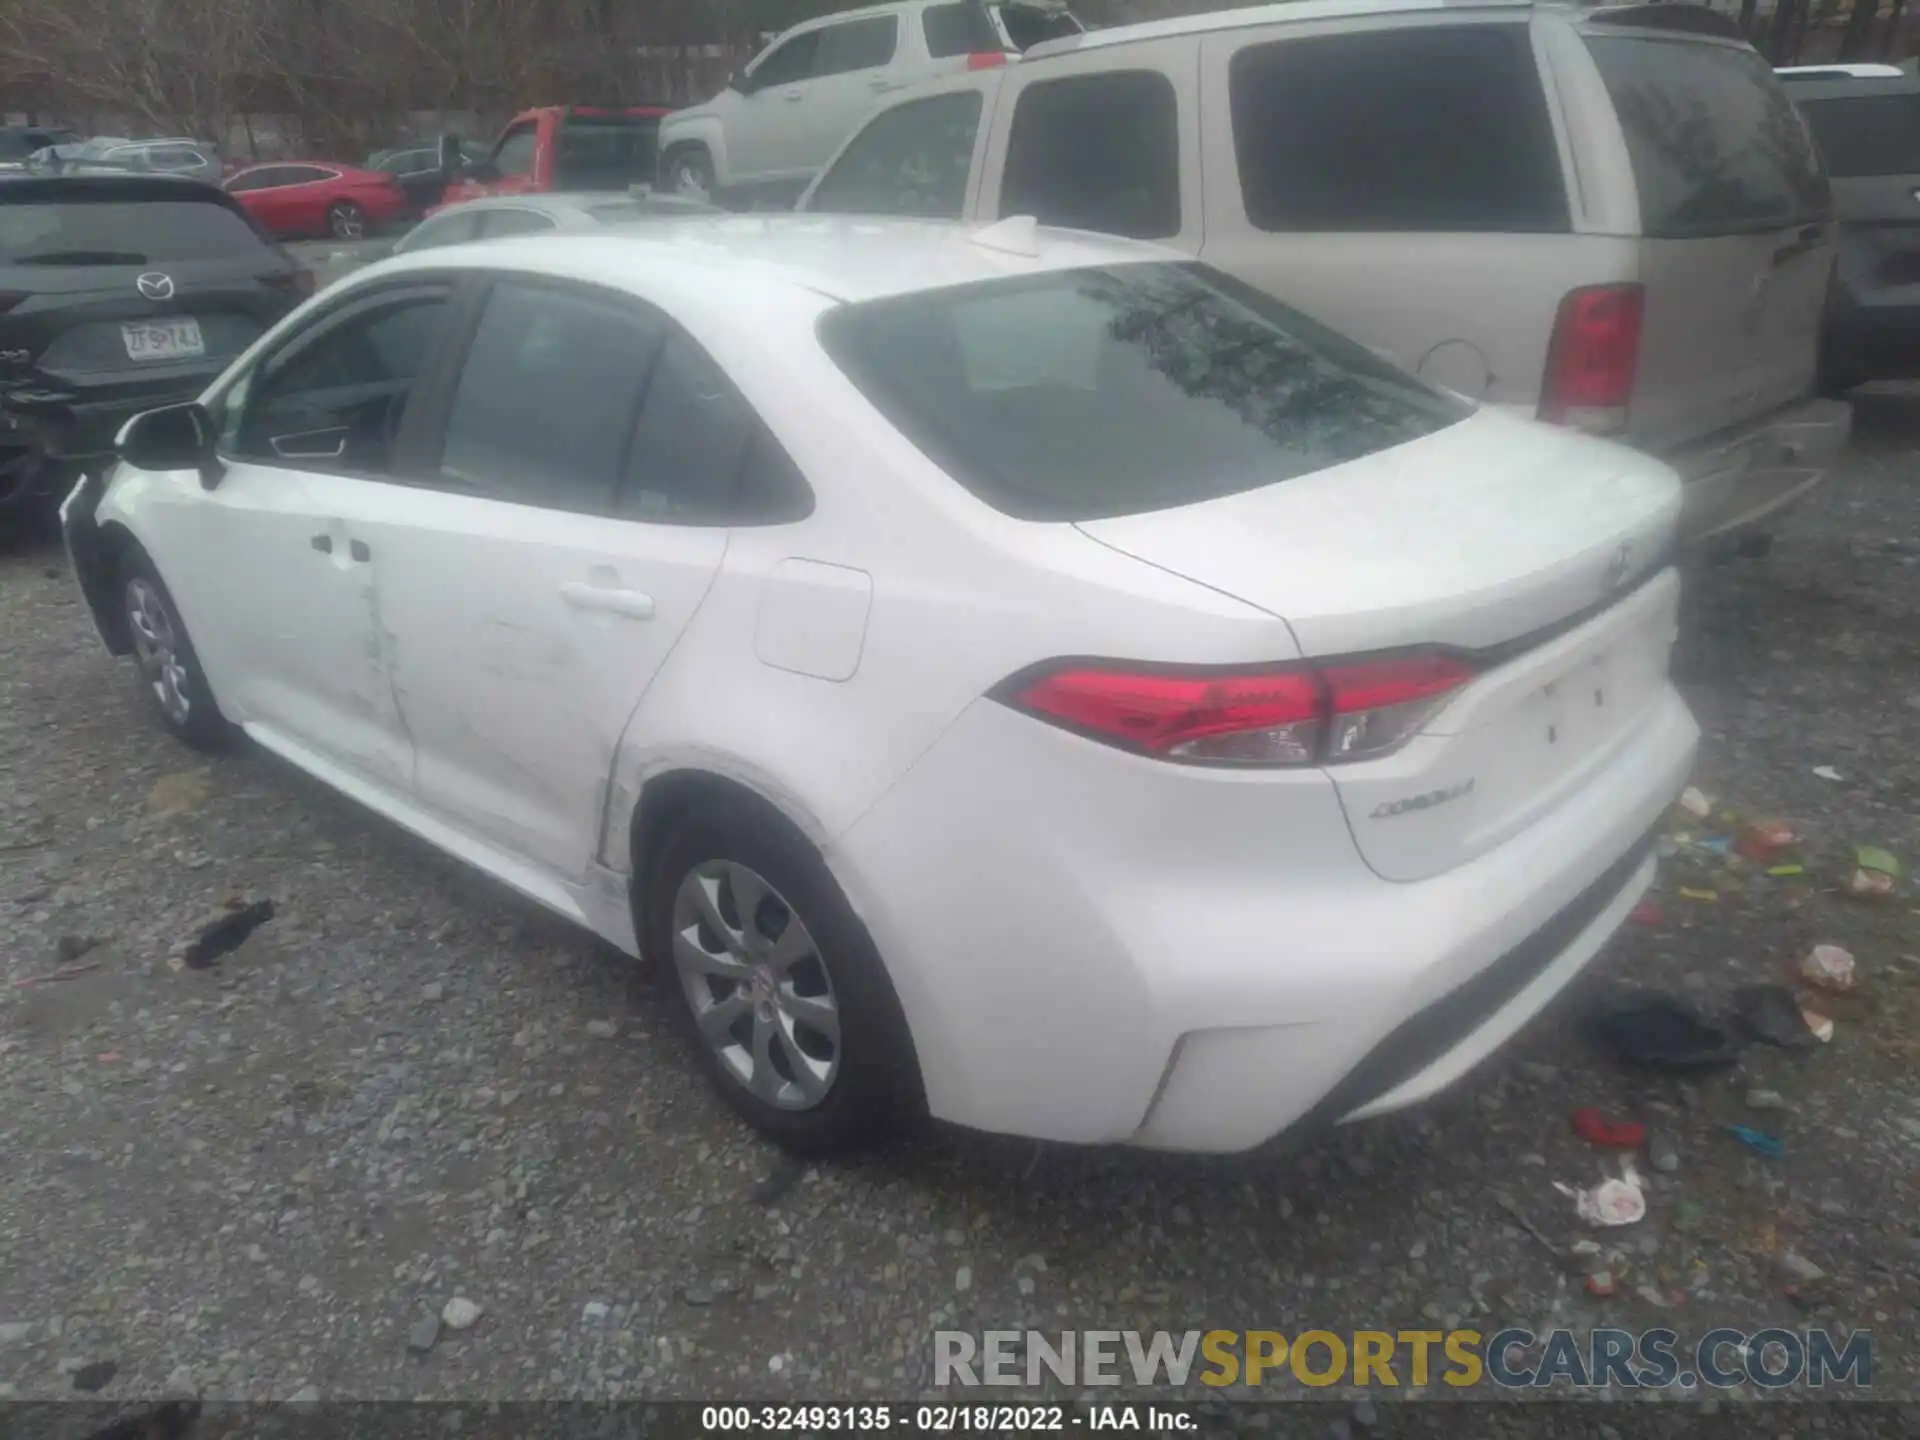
407, 1087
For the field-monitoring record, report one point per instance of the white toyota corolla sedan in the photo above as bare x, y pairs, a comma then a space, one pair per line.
1008, 674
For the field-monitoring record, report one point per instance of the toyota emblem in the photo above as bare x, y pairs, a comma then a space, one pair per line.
1620, 565
155, 285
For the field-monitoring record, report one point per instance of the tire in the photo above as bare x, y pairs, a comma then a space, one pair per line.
170, 673
812, 1089
688, 170
346, 221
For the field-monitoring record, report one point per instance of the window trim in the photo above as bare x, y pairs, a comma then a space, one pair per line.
420, 417
457, 341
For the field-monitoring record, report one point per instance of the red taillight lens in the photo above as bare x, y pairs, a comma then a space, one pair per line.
1295, 716
1592, 357
986, 60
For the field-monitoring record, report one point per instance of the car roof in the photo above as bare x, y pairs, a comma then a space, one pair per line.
736, 262
1849, 89
1288, 12
1839, 72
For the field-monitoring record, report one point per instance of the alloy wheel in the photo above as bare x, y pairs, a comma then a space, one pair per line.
759, 990
156, 644
690, 181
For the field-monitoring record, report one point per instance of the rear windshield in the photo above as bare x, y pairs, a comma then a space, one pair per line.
962, 29
1867, 135
1087, 393
608, 154
1717, 145
121, 232
1029, 25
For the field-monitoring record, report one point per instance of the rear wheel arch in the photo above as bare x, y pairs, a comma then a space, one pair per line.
116, 543
671, 794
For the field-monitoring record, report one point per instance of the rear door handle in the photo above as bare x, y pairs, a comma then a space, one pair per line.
630, 604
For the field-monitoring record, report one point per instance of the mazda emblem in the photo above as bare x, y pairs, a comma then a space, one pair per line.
155, 285
1620, 565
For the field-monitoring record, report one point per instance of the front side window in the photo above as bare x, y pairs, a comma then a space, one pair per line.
547, 397
911, 160
1716, 144
1432, 129
856, 45
1082, 394
337, 402
787, 62
515, 154
1097, 152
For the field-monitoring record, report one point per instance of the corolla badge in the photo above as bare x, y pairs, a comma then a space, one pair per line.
155, 285
1387, 809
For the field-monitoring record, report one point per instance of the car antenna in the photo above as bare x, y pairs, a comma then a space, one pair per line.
1014, 235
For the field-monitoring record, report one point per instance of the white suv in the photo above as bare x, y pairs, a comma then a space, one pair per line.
778, 120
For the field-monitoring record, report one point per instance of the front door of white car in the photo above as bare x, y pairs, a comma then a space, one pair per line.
852, 74
281, 576
574, 525
763, 122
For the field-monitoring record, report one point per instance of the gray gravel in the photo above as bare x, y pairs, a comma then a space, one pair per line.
408, 1090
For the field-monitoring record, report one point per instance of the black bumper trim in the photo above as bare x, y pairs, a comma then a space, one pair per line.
1426, 1035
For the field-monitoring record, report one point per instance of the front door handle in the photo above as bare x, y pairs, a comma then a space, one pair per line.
630, 604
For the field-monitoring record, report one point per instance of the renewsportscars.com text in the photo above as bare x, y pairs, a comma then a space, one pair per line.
1510, 1359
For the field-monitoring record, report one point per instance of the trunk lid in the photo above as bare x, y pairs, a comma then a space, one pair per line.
1736, 232
1526, 546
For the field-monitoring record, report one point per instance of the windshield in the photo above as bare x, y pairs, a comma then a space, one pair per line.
1864, 136
1088, 393
121, 232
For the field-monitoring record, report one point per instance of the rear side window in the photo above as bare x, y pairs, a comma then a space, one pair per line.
605, 154
122, 232
1097, 152
1087, 393
911, 160
1717, 145
1437, 129
547, 397
1867, 135
1028, 25
515, 154
958, 30
856, 45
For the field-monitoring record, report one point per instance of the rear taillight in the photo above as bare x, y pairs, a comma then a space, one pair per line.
1592, 357
986, 59
1297, 715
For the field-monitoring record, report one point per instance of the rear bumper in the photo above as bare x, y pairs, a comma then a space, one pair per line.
1742, 476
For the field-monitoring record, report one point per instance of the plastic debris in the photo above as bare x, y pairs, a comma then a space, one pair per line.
1763, 839
226, 934
1759, 1140
1721, 845
1870, 884
1647, 913
1872, 857
1772, 1013
1596, 1129
1601, 1283
1687, 892
1826, 772
1829, 967
1695, 803
1782, 871
1818, 1025
1758, 1099
1656, 1031
1611, 1202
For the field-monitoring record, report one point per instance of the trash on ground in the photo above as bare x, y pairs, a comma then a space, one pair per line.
1759, 1140
1763, 839
1596, 1129
1772, 1013
1758, 1099
1782, 871
1826, 772
1611, 1202
1600, 1283
1829, 967
1688, 892
1647, 913
1656, 1031
1874, 858
1721, 845
1695, 803
1818, 1025
1870, 884
54, 977
226, 934
1798, 1268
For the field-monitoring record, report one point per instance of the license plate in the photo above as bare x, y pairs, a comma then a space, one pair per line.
163, 340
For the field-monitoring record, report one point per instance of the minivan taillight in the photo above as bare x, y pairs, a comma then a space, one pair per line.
1592, 357
1291, 715
986, 59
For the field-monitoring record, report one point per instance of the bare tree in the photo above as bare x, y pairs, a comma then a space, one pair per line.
1858, 36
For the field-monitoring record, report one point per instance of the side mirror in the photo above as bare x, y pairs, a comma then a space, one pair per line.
177, 437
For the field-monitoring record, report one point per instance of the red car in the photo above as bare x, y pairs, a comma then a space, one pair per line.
301, 198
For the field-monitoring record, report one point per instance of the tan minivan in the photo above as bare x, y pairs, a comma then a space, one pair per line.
1611, 218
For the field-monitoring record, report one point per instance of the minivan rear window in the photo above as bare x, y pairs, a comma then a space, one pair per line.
1717, 146
1865, 136
1437, 128
1082, 394
121, 232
